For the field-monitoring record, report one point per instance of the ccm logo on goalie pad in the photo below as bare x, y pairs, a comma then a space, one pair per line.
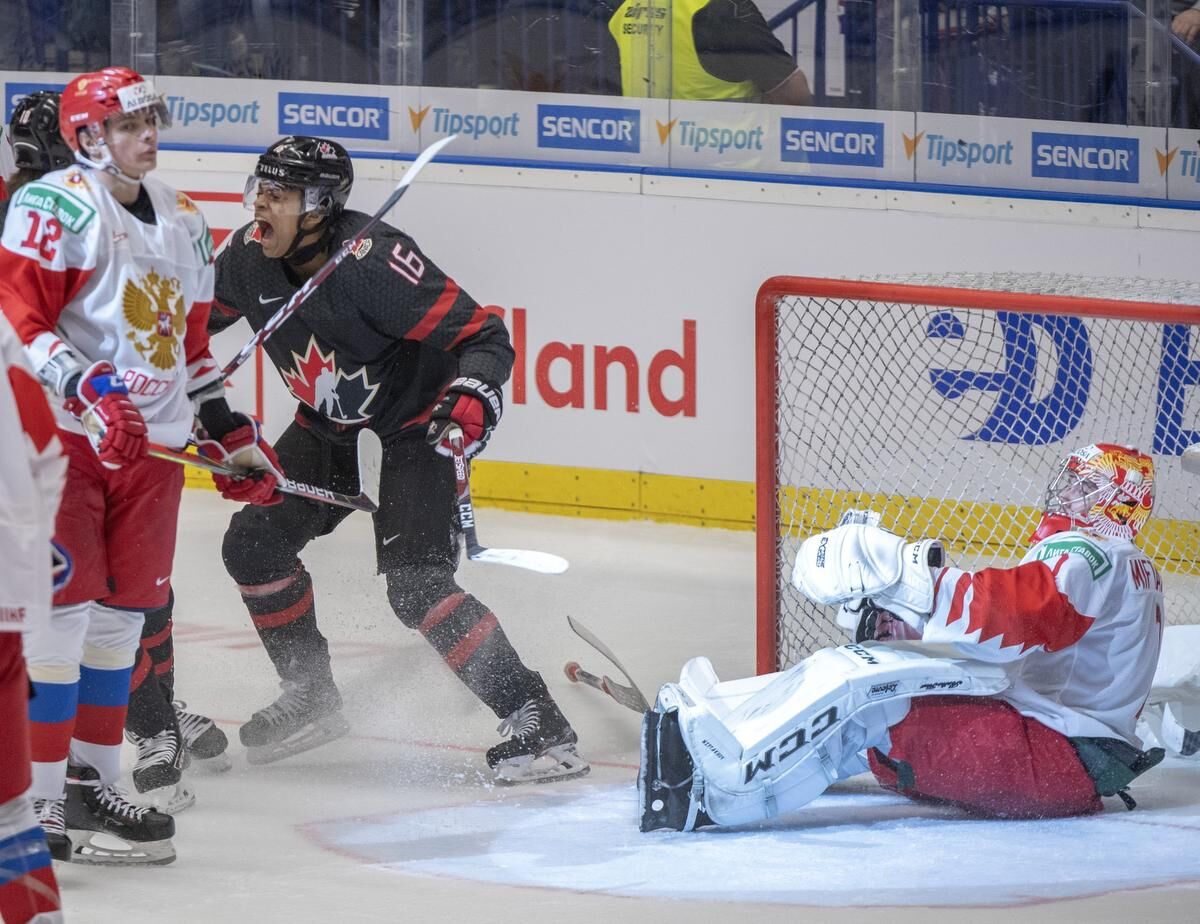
790, 744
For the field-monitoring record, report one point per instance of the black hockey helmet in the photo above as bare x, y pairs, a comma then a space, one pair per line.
33, 134
320, 168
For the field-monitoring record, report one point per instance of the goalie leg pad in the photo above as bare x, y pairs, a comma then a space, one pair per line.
666, 776
789, 739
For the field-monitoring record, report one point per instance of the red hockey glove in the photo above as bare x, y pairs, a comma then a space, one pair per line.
245, 447
471, 405
114, 426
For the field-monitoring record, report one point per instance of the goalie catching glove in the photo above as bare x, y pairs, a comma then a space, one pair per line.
244, 447
471, 405
856, 562
114, 426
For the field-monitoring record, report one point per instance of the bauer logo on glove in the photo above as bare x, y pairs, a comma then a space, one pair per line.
471, 405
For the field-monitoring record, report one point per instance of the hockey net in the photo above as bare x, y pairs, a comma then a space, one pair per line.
946, 403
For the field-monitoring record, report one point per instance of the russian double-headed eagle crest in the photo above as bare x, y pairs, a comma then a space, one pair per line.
156, 312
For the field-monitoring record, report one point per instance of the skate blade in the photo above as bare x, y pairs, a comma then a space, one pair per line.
324, 730
219, 763
555, 764
169, 799
103, 849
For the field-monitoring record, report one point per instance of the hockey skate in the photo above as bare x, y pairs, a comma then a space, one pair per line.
50, 816
158, 774
205, 743
541, 749
106, 828
307, 714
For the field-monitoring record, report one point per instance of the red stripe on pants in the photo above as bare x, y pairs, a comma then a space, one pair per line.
283, 617
985, 757
100, 724
461, 653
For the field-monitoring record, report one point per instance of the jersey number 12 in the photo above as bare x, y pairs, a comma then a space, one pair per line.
42, 236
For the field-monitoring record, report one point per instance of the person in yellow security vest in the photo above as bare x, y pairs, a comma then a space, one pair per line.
703, 49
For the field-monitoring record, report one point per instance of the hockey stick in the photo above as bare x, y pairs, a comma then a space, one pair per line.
629, 696
370, 459
626, 696
300, 295
542, 562
1191, 459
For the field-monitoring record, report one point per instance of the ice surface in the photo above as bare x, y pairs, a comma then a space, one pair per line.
398, 823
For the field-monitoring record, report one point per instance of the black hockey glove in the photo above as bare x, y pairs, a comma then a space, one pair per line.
471, 405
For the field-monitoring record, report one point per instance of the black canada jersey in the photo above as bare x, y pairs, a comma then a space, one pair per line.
376, 342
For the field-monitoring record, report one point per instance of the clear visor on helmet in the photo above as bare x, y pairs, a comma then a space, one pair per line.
139, 96
280, 197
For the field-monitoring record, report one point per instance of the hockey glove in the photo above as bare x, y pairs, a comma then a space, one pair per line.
471, 405
113, 425
855, 562
244, 448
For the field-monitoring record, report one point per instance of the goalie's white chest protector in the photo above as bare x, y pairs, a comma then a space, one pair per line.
1078, 625
126, 286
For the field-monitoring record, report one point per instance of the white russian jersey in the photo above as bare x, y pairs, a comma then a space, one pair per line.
79, 271
32, 468
1079, 623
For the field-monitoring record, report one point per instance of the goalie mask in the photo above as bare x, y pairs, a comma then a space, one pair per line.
1106, 488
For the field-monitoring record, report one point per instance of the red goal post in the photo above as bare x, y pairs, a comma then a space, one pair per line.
945, 402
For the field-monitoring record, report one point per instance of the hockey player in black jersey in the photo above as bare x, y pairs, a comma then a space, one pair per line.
388, 342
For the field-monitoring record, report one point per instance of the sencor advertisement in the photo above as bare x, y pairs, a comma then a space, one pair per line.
891, 147
1023, 154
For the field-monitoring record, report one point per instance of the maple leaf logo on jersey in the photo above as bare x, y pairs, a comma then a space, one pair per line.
316, 380
155, 310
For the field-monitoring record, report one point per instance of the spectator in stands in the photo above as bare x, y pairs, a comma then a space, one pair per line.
719, 50
1185, 24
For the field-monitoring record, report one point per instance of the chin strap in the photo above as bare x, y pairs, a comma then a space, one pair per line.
297, 255
109, 166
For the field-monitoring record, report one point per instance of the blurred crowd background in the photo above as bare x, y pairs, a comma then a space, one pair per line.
1101, 61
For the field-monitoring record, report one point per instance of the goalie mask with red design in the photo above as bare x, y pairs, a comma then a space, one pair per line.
1104, 487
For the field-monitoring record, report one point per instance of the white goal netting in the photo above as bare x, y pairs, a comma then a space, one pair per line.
948, 410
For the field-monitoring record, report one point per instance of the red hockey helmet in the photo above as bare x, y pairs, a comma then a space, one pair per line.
1106, 488
92, 99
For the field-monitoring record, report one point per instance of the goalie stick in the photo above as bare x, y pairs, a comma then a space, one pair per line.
370, 463
541, 562
300, 295
629, 696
